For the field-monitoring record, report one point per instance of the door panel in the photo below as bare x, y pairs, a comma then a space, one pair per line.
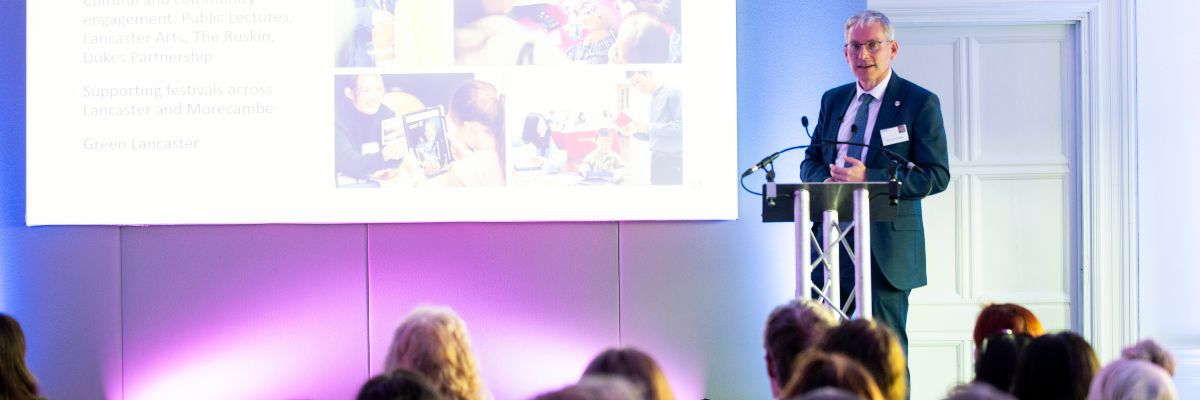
1000, 232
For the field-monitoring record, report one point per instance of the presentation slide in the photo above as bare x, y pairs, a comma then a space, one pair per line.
147, 112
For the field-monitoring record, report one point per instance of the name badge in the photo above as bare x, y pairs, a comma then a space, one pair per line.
893, 135
370, 148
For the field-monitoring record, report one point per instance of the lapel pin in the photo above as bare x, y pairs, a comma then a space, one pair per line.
897, 103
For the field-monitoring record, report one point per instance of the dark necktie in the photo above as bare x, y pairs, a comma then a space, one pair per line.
860, 127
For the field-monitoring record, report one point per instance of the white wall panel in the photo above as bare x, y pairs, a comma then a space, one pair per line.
945, 364
1021, 97
1022, 238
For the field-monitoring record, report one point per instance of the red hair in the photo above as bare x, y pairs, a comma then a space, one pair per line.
997, 317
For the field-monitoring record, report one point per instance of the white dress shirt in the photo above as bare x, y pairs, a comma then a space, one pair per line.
860, 152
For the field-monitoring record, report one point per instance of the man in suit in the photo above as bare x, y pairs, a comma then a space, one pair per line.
885, 111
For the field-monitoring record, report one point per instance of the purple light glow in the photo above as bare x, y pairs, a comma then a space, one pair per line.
525, 359
284, 356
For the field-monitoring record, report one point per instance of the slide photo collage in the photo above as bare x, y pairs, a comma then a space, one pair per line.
507, 93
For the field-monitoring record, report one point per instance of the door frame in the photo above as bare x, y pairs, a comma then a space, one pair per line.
1104, 244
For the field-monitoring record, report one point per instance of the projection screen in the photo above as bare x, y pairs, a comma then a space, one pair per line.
271, 111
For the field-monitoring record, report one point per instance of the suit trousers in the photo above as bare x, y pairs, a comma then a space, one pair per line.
889, 305
666, 168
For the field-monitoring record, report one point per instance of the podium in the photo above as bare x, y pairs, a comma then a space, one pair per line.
804, 203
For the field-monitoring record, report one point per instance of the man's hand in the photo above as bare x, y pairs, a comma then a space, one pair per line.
856, 172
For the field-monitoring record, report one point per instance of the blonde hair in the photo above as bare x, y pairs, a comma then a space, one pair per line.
433, 342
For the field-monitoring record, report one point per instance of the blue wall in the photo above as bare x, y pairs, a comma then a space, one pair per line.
694, 294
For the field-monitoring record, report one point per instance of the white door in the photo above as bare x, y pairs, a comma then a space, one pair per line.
1003, 229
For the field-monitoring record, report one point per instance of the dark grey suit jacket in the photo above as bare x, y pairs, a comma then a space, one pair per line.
898, 247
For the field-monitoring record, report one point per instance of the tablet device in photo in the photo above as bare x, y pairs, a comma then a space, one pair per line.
425, 132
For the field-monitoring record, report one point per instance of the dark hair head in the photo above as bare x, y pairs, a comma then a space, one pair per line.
398, 385
998, 356
997, 317
635, 365
791, 329
1058, 366
16, 382
876, 347
816, 369
530, 134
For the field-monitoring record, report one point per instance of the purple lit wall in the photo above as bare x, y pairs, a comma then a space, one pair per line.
539, 299
254, 312
307, 311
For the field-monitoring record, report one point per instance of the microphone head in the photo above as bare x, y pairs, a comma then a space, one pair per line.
804, 121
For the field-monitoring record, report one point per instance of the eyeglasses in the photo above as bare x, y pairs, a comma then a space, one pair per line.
871, 46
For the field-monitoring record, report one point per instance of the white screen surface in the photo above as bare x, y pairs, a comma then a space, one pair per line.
272, 111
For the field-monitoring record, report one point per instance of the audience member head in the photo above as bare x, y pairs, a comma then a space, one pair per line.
398, 385
641, 39
874, 346
365, 92
634, 365
997, 360
16, 382
1126, 379
608, 387
1151, 351
433, 342
1058, 366
828, 393
998, 317
979, 391
816, 369
791, 329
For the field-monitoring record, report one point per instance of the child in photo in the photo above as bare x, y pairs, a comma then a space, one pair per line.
603, 163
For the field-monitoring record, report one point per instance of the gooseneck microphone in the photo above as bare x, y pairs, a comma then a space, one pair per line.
762, 164
771, 158
766, 163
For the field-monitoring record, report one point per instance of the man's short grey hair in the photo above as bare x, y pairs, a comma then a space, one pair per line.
867, 17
